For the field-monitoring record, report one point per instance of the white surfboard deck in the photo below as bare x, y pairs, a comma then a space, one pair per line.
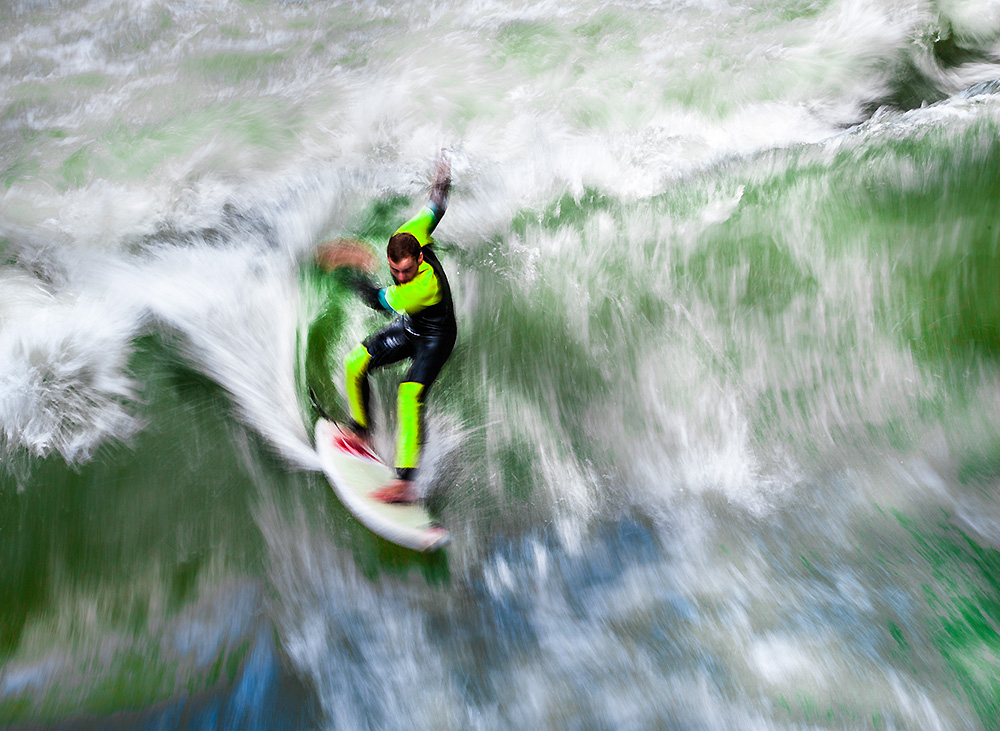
355, 476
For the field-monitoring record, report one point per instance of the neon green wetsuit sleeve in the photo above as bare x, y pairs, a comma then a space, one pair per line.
422, 224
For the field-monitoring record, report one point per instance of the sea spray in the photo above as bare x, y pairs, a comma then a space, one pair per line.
718, 441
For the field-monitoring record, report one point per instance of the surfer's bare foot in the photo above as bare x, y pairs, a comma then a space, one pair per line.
397, 491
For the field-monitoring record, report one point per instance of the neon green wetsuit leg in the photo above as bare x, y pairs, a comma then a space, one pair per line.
356, 369
409, 404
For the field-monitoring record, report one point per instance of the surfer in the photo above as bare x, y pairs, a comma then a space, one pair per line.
424, 330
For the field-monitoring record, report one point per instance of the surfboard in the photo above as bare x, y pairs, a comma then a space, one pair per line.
354, 474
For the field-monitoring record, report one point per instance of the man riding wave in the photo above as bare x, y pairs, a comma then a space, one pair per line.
424, 331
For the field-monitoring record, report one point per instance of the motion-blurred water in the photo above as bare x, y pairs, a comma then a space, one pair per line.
720, 441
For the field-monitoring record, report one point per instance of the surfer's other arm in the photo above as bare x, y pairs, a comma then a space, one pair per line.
345, 253
358, 259
367, 290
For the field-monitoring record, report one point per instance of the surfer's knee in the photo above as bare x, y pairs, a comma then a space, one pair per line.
356, 362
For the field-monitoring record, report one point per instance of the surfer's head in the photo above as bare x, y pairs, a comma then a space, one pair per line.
405, 257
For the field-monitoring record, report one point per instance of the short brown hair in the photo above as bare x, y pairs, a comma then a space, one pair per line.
403, 246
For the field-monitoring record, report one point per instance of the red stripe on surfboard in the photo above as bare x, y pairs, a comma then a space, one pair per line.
348, 446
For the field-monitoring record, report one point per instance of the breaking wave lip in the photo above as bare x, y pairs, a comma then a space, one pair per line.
248, 347
73, 303
245, 344
64, 386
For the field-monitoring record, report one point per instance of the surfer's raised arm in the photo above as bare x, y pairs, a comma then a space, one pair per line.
423, 224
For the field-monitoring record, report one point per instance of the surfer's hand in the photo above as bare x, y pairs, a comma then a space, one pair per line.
350, 253
442, 181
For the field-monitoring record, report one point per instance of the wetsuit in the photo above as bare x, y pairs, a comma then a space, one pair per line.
424, 332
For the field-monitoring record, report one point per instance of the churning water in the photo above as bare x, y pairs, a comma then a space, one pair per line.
719, 445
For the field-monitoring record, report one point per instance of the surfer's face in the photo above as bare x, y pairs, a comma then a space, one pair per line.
405, 270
